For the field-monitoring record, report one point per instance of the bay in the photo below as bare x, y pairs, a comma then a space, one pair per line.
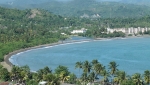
131, 54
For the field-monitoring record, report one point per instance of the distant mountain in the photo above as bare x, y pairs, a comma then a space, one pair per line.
5, 1
23, 2
87, 8
139, 2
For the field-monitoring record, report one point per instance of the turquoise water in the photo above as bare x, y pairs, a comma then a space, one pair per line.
132, 55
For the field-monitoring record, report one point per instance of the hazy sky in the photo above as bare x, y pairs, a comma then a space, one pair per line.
3, 1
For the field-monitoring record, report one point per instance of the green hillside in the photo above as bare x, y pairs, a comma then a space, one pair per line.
27, 28
89, 7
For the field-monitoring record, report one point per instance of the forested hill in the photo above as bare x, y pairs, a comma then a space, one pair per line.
86, 8
27, 28
139, 2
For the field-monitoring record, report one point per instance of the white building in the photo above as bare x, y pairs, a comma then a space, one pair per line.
130, 30
42, 83
83, 30
63, 34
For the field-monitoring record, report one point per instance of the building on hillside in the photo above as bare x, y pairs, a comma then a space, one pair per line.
63, 34
85, 16
42, 83
109, 30
83, 30
130, 30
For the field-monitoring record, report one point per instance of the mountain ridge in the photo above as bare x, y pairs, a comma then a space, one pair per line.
141, 2
78, 8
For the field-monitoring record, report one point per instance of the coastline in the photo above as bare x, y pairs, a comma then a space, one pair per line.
8, 65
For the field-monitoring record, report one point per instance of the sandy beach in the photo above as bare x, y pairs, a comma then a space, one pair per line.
8, 65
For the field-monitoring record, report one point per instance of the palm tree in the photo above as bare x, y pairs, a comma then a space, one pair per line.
25, 68
4, 74
52, 79
98, 68
35, 76
55, 81
147, 77
79, 65
137, 79
46, 70
72, 79
15, 73
84, 78
94, 62
40, 74
24, 76
63, 76
105, 75
25, 73
116, 80
86, 67
120, 77
113, 66
91, 77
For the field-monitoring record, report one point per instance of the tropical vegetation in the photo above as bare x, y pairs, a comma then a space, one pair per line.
87, 8
21, 29
92, 72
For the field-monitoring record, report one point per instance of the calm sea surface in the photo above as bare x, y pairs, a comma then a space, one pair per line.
132, 55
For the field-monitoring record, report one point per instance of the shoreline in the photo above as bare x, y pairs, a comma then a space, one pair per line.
8, 65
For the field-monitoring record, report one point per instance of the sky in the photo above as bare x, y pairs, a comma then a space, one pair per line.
5, 1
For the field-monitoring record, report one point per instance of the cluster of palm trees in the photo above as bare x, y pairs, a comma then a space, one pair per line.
23, 75
96, 73
89, 72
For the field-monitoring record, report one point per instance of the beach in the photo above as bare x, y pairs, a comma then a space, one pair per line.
8, 65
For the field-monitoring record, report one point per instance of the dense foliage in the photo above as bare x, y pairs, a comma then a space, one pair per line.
95, 72
89, 7
22, 75
91, 72
28, 28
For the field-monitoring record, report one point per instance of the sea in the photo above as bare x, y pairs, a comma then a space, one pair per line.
131, 54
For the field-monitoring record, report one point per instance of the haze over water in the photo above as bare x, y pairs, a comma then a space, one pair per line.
132, 55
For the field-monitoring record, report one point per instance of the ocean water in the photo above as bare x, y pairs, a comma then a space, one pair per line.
132, 55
